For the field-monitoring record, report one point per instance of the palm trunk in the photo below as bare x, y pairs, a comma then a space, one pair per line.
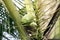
17, 19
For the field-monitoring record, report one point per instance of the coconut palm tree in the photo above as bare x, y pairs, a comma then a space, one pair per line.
30, 19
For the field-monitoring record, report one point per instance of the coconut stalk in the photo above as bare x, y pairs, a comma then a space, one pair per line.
17, 19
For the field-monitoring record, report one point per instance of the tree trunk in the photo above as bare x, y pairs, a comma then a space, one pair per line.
17, 19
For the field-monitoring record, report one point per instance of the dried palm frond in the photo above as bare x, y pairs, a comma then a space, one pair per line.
46, 11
